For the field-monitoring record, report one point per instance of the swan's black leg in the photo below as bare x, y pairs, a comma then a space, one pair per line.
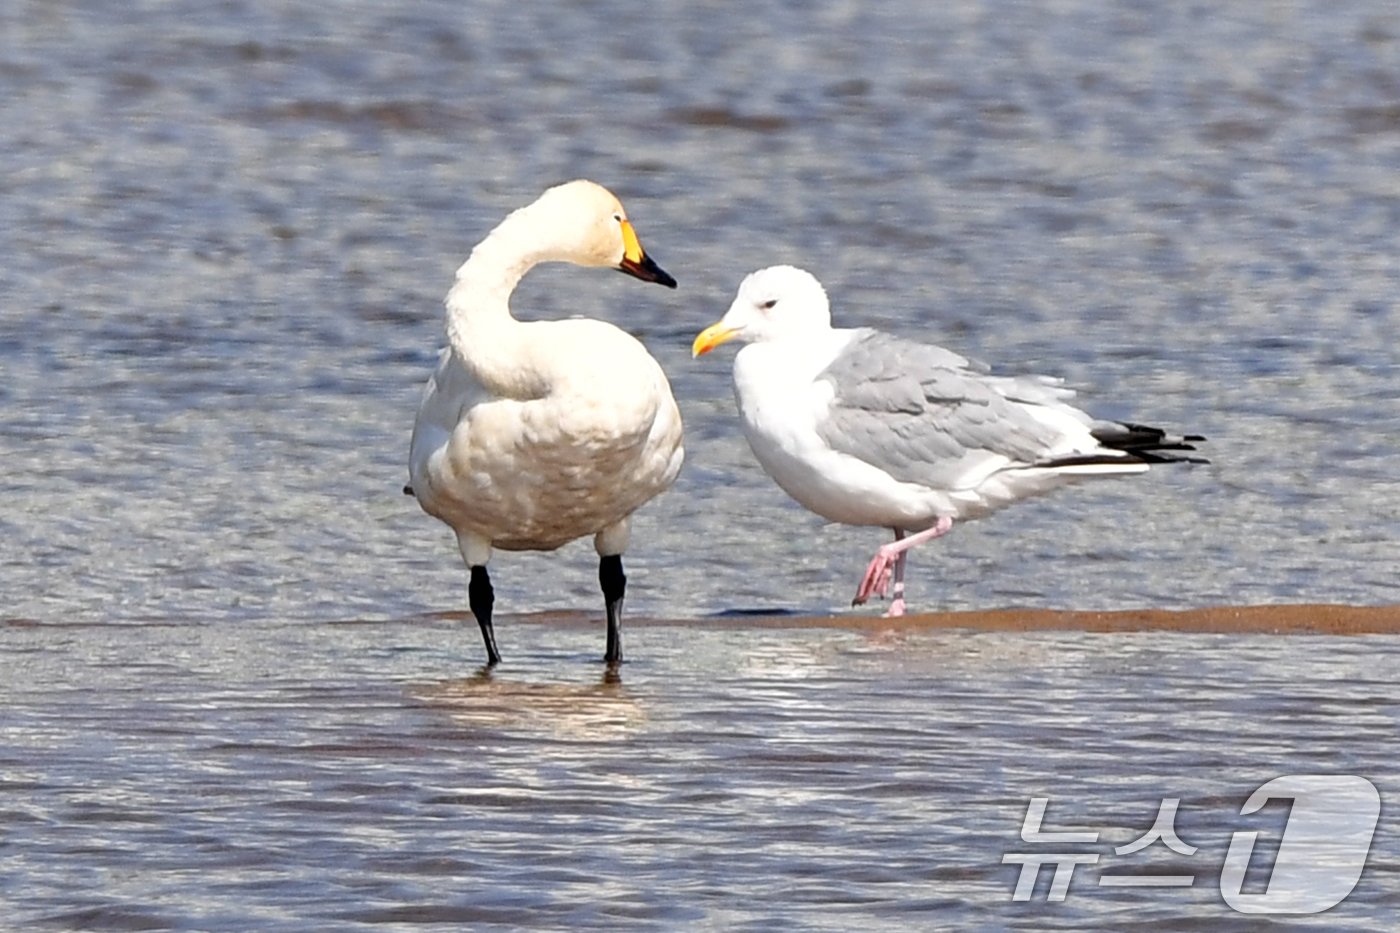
614, 583
481, 598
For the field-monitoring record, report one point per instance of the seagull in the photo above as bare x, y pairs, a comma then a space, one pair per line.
533, 434
866, 428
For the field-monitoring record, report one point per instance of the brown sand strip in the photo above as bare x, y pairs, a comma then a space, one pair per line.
1322, 619
1277, 620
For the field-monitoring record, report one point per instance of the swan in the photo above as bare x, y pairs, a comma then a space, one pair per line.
864, 428
533, 434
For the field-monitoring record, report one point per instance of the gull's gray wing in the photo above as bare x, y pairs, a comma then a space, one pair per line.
926, 415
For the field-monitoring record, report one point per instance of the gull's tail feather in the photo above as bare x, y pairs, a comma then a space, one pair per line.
1145, 442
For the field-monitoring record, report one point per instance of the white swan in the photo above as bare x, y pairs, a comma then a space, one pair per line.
532, 434
867, 429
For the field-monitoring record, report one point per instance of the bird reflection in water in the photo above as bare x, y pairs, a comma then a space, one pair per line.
588, 711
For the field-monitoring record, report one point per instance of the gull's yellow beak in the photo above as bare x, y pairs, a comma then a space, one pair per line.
711, 337
636, 263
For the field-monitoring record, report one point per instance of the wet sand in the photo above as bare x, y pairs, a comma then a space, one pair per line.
1288, 619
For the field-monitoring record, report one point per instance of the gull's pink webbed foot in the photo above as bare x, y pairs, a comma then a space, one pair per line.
890, 557
876, 581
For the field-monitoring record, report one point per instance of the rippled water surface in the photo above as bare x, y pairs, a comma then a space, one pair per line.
227, 232
266, 775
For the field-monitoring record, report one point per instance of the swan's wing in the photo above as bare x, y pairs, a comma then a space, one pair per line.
449, 392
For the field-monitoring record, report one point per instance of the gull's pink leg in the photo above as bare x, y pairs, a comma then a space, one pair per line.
877, 575
897, 603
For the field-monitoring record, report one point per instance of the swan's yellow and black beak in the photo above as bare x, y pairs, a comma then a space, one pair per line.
636, 263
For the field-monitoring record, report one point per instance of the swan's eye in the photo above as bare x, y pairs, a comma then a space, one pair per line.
768, 305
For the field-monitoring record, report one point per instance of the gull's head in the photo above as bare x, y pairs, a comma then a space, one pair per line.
584, 223
773, 303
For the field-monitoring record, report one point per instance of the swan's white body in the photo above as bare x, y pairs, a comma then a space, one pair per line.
574, 455
533, 434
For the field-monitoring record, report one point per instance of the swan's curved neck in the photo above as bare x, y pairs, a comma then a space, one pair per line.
480, 328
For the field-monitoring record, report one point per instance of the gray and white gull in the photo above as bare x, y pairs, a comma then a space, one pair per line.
865, 428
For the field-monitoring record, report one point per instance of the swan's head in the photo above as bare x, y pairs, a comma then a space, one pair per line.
584, 223
772, 304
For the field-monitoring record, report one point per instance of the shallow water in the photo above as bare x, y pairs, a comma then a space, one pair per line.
278, 775
228, 231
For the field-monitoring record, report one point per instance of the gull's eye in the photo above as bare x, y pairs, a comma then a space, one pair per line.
768, 305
